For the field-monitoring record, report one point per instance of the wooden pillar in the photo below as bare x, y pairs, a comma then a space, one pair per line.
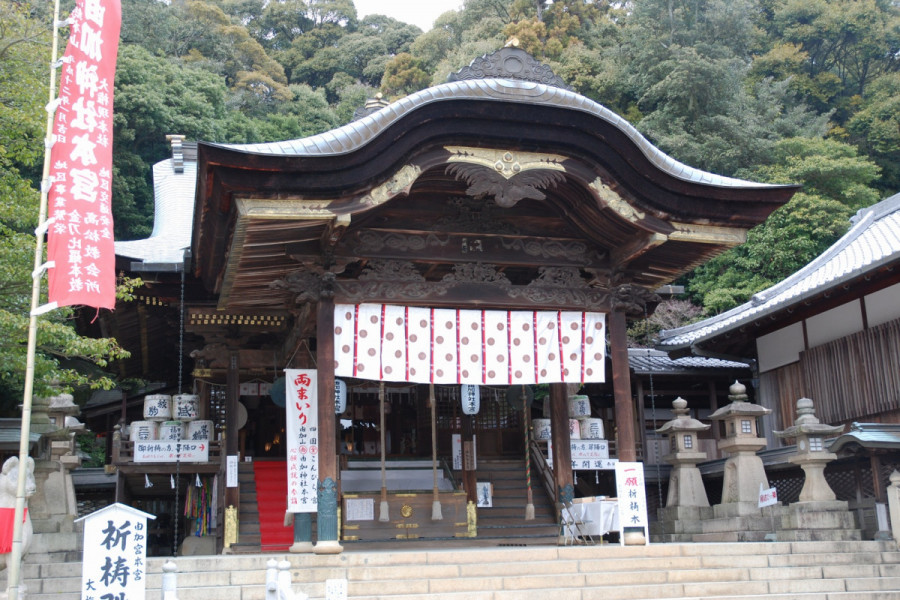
621, 373
470, 458
327, 517
877, 485
562, 449
232, 393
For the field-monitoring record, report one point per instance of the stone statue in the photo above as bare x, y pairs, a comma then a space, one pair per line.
9, 483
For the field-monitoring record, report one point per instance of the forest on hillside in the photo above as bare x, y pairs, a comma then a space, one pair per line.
781, 91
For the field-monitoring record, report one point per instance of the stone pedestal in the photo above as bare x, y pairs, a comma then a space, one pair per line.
817, 521
679, 523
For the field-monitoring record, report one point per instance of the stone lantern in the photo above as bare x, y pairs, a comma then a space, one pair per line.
744, 471
685, 482
811, 454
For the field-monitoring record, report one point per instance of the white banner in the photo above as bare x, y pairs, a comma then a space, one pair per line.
302, 432
452, 346
632, 495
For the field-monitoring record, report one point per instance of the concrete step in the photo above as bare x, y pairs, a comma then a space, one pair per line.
851, 570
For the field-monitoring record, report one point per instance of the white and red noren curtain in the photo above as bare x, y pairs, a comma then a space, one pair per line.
80, 236
452, 346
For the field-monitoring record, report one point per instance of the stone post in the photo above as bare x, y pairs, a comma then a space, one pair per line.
811, 455
893, 494
744, 471
818, 516
687, 505
170, 581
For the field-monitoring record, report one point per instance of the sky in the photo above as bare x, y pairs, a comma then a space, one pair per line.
418, 12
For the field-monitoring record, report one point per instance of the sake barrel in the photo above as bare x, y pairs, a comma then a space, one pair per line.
541, 429
144, 431
199, 430
171, 431
574, 429
186, 406
158, 407
592, 429
579, 406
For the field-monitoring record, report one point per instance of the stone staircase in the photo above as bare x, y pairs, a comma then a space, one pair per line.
506, 518
850, 570
249, 537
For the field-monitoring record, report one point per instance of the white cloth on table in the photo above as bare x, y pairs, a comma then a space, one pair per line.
593, 518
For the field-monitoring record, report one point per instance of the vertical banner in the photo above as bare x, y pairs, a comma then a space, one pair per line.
302, 432
80, 234
115, 554
632, 495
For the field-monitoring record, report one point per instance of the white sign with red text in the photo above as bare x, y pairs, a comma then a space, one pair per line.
163, 451
302, 431
767, 497
632, 495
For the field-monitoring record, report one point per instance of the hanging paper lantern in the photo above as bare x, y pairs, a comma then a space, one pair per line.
340, 396
471, 399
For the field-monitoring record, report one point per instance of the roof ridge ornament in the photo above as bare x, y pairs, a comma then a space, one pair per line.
509, 63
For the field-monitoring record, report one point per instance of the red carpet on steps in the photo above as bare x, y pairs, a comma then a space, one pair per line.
271, 498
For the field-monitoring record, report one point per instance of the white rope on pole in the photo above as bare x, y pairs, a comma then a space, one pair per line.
15, 561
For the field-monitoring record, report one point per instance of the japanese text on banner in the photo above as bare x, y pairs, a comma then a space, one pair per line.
302, 431
80, 236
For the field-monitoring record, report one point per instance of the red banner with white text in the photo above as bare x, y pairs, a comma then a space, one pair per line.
80, 244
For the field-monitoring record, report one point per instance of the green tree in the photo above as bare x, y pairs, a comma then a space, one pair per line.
834, 48
24, 76
837, 182
154, 97
875, 128
403, 75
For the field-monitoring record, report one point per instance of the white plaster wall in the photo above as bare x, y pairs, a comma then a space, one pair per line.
780, 347
883, 305
834, 324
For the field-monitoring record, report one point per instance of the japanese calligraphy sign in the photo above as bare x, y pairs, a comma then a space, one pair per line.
80, 234
302, 431
632, 498
587, 455
166, 451
115, 554
767, 497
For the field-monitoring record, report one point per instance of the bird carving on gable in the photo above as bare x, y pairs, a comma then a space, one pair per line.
506, 192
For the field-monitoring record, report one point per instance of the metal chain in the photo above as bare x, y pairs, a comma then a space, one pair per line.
178, 441
653, 407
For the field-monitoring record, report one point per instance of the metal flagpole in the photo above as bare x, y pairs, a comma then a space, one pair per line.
19, 515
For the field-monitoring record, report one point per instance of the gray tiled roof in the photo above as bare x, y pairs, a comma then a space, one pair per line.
358, 133
645, 360
172, 219
869, 435
873, 241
